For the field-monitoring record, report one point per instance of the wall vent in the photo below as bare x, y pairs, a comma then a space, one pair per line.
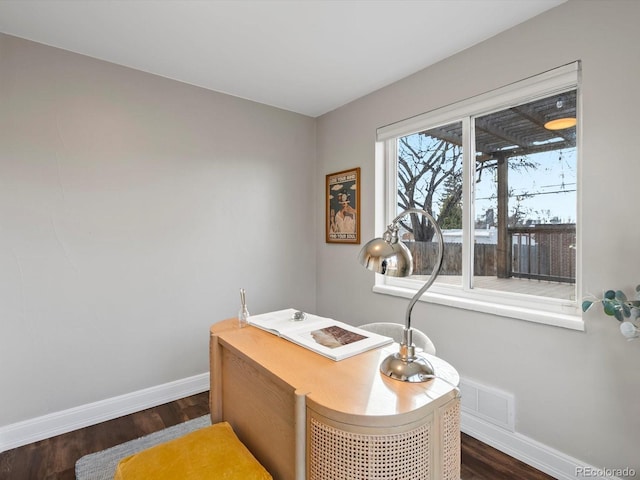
487, 403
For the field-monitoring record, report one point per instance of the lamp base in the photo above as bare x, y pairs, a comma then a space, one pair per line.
412, 369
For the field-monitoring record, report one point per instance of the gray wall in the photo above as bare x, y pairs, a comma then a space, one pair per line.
576, 392
132, 209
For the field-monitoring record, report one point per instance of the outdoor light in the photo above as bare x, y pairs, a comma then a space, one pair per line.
560, 123
389, 256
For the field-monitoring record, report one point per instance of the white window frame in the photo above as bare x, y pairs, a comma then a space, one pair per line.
545, 310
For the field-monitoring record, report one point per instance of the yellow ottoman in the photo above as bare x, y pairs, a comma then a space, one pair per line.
209, 453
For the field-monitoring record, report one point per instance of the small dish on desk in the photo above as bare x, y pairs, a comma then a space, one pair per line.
298, 316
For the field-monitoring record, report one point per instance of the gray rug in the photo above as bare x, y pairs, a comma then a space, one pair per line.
102, 465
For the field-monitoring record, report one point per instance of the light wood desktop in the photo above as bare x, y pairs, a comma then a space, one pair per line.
305, 416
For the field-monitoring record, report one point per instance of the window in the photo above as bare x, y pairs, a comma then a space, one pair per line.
502, 183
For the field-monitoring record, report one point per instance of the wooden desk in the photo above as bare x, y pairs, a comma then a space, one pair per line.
307, 417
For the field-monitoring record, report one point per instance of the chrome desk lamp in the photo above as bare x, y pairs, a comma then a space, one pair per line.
389, 256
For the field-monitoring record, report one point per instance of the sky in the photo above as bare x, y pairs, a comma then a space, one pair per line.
552, 187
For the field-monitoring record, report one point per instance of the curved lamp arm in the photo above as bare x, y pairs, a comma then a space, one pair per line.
436, 267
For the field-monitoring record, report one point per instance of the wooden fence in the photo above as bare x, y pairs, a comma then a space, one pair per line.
543, 252
424, 254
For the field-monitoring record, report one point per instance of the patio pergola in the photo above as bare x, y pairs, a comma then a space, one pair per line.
510, 133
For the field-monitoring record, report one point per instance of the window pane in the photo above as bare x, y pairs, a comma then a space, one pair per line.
525, 199
430, 178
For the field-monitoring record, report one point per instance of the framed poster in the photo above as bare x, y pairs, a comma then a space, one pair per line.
343, 207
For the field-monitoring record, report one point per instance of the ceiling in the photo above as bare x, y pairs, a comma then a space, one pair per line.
306, 56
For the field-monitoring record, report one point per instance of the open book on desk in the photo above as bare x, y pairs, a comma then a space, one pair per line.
333, 339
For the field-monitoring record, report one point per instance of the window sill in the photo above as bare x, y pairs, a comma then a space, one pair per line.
520, 312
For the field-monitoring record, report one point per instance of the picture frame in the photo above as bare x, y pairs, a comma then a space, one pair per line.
343, 207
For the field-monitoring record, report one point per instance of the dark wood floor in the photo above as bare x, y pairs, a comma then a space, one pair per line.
55, 458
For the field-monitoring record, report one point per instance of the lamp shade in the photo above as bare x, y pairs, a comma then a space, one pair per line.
386, 257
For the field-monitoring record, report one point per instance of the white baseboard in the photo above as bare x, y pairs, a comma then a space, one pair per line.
50, 425
529, 451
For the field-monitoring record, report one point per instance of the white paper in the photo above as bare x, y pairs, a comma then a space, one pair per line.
328, 337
